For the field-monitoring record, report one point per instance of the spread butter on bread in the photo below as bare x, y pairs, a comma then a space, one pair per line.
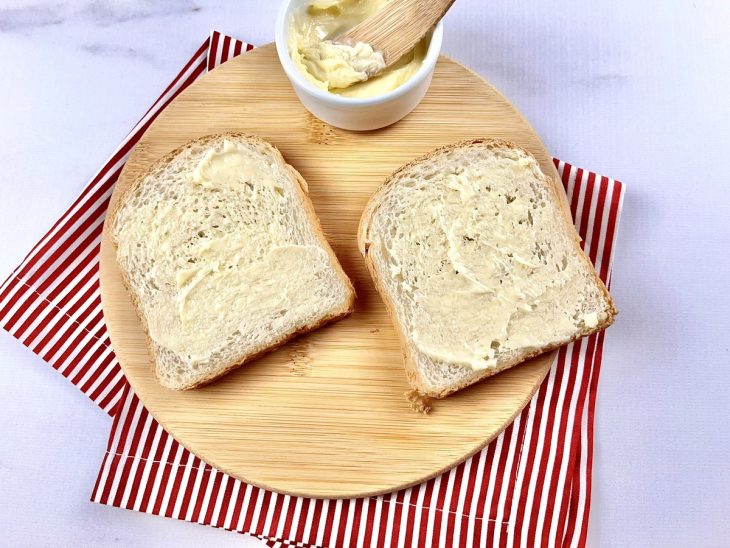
473, 250
222, 253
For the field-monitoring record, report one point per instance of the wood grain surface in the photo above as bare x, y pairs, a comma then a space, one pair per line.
325, 415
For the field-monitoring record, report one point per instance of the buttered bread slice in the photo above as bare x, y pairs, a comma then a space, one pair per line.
224, 258
476, 257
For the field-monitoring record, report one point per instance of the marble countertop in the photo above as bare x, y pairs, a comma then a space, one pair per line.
633, 90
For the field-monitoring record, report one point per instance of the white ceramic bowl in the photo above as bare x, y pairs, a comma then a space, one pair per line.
359, 114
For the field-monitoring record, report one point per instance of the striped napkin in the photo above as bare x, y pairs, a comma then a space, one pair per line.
531, 486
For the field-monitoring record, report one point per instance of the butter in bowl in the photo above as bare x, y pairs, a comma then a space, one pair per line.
344, 85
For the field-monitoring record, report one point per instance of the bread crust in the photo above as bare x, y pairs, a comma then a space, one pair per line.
303, 192
364, 241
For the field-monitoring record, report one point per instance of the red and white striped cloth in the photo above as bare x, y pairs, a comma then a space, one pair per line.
530, 487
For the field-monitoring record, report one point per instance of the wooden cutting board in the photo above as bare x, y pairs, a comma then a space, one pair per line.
325, 415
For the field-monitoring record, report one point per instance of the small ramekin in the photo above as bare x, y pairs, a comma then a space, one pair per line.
358, 114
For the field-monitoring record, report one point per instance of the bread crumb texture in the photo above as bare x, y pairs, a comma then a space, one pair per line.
472, 248
222, 258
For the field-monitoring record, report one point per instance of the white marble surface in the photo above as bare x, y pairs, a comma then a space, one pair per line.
635, 90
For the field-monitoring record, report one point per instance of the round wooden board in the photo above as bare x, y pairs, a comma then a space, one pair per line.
325, 416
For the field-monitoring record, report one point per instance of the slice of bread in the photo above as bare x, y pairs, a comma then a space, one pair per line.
473, 250
223, 255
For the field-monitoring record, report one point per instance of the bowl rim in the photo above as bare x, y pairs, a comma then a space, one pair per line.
301, 82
